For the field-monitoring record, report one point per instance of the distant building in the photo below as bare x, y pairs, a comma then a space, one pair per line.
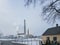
1, 35
52, 33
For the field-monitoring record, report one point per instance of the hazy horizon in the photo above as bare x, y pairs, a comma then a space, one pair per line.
13, 13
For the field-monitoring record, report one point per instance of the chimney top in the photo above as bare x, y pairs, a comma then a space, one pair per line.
56, 25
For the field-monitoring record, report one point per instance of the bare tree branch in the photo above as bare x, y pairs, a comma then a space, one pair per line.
50, 11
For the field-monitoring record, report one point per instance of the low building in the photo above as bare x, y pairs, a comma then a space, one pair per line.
52, 33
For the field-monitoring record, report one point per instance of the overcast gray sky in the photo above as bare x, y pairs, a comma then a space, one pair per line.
13, 13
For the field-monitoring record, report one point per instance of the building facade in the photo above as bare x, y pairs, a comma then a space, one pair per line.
52, 33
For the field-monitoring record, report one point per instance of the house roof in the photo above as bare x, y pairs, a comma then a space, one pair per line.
52, 31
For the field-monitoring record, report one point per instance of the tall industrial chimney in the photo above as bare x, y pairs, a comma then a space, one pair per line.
24, 26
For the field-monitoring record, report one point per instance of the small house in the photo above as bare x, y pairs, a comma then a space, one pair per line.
52, 33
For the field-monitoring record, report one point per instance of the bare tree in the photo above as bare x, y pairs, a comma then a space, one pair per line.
28, 2
50, 12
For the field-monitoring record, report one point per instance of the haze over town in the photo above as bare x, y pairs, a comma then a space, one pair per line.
13, 13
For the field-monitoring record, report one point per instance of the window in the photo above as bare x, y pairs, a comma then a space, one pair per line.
55, 38
48, 38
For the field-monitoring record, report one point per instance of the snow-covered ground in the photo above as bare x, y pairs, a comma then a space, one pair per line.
28, 41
